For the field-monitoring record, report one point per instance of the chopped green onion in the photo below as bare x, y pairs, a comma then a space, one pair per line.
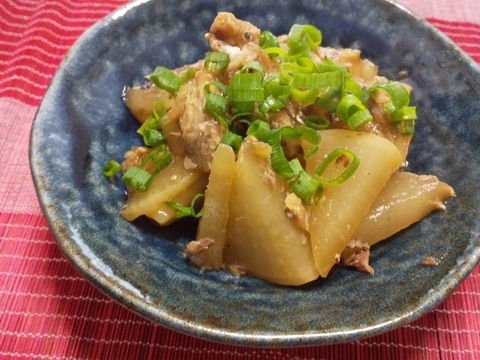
406, 127
152, 137
240, 123
137, 178
184, 211
267, 40
244, 91
273, 86
301, 183
301, 39
351, 110
216, 61
160, 156
404, 120
140, 179
287, 70
276, 95
352, 87
216, 104
399, 96
111, 168
246, 87
149, 129
165, 79
403, 116
260, 129
295, 165
233, 140
151, 123
305, 133
305, 64
158, 115
329, 99
316, 122
287, 132
243, 107
309, 81
405, 113
334, 156
306, 87
222, 89
306, 97
306, 187
317, 80
278, 160
330, 67
276, 51
272, 103
361, 116
253, 66
330, 79
187, 75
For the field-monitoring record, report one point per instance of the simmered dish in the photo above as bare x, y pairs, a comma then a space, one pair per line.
292, 155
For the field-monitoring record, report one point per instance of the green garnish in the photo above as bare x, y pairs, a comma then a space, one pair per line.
243, 105
185, 211
166, 79
216, 61
111, 168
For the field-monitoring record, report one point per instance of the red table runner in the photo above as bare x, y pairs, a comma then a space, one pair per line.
49, 311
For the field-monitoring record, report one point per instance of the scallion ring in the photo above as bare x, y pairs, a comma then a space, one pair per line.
334, 156
404, 120
306, 187
165, 79
233, 140
150, 128
185, 211
111, 168
259, 129
316, 122
159, 156
137, 178
276, 51
302, 39
268, 40
216, 61
351, 110
253, 66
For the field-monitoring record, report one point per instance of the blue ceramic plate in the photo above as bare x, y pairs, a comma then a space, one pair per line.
82, 123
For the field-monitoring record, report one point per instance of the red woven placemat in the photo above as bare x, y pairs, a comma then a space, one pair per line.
49, 311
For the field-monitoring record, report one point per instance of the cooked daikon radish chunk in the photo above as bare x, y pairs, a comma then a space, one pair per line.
166, 186
261, 240
406, 199
206, 252
341, 208
165, 214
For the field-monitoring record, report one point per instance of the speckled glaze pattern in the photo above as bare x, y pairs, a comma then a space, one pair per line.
82, 123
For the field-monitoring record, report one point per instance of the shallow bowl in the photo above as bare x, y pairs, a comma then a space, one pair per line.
82, 123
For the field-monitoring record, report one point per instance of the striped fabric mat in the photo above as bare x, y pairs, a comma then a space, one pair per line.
49, 311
